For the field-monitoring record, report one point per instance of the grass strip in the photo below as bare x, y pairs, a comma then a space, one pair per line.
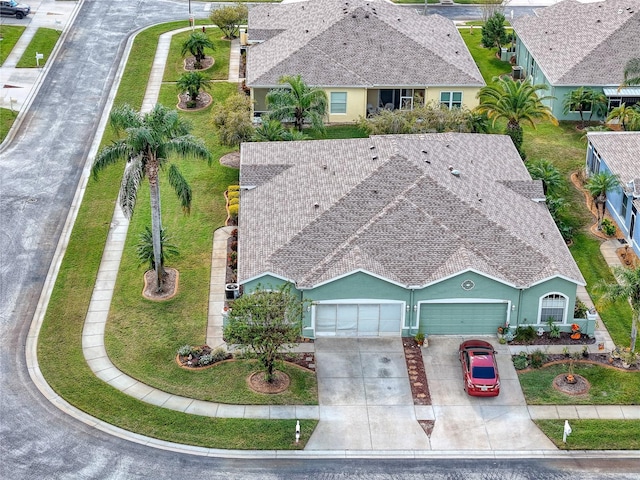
60, 350
42, 42
609, 386
7, 117
10, 35
490, 66
594, 434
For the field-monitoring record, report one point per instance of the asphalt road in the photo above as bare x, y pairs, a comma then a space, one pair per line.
39, 173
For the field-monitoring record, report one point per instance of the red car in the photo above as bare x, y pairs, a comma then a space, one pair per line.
479, 368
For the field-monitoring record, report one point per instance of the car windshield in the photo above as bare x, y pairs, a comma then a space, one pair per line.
483, 372
13, 3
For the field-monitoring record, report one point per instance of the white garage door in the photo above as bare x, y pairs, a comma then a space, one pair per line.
358, 319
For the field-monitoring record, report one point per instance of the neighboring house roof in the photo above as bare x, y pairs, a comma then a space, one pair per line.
587, 44
621, 152
356, 43
389, 205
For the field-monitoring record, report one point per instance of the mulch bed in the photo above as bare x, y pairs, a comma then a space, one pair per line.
231, 160
279, 383
417, 374
565, 339
190, 62
203, 100
603, 359
579, 387
169, 288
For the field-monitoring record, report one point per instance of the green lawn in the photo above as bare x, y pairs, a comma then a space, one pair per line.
220, 68
59, 348
490, 66
594, 434
10, 35
43, 42
609, 386
7, 117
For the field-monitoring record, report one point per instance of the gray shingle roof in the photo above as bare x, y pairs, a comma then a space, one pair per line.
383, 205
356, 43
621, 152
578, 43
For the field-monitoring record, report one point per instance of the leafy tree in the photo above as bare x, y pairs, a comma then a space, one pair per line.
546, 171
629, 117
631, 73
299, 102
144, 248
149, 139
232, 120
192, 83
515, 101
493, 32
196, 44
557, 207
598, 185
585, 100
271, 130
627, 286
264, 322
229, 18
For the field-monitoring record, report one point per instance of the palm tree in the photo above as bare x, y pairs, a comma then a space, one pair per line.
192, 83
195, 45
627, 286
585, 100
546, 171
148, 141
299, 102
631, 73
598, 185
515, 101
271, 130
629, 117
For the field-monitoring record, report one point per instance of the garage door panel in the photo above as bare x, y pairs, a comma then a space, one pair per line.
462, 318
358, 319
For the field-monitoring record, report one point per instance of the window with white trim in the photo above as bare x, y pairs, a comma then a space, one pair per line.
451, 99
338, 102
553, 306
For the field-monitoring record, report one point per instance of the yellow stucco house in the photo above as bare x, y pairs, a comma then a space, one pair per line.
366, 54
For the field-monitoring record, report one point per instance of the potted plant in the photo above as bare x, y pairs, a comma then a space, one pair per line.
419, 338
629, 358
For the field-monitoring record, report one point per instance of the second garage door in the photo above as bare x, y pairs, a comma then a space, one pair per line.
462, 318
358, 319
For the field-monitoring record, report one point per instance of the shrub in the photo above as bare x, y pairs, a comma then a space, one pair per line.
185, 350
608, 227
233, 201
580, 310
521, 361
525, 333
233, 211
538, 358
233, 188
233, 194
554, 330
219, 354
206, 359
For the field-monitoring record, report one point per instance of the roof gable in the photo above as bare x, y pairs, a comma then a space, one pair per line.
621, 152
366, 43
377, 205
577, 43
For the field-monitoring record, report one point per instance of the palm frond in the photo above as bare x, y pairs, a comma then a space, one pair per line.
109, 155
181, 187
131, 180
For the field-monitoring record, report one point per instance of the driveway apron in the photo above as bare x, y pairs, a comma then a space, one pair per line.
365, 398
472, 423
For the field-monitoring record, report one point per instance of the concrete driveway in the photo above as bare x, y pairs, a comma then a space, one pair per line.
365, 398
470, 423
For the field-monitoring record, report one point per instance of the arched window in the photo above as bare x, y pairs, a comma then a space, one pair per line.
553, 306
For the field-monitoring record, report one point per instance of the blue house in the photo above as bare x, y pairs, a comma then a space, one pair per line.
619, 153
573, 44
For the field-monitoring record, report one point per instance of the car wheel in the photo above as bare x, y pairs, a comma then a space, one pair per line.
19, 16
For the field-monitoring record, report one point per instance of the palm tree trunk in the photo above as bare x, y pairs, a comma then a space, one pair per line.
156, 223
634, 329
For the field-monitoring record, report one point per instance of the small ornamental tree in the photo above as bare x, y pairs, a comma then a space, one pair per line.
264, 322
493, 33
232, 120
229, 18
